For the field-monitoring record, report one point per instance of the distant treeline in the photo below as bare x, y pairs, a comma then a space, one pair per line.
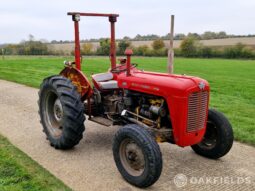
26, 47
190, 47
208, 35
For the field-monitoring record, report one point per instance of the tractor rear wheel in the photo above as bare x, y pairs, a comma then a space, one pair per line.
137, 156
218, 138
61, 112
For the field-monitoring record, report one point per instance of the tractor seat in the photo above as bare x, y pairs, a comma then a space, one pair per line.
105, 81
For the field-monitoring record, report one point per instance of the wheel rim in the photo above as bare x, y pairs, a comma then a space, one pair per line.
53, 114
210, 138
58, 110
132, 157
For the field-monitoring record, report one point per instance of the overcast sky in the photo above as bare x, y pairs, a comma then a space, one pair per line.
47, 19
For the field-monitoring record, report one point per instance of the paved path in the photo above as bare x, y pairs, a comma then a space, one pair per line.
90, 166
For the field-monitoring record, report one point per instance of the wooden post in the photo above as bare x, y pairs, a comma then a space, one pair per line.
170, 64
3, 53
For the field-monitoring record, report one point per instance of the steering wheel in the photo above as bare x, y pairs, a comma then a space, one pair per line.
118, 70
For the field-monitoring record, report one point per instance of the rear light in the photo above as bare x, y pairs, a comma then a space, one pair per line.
197, 109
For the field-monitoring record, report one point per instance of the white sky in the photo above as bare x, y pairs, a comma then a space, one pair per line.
47, 19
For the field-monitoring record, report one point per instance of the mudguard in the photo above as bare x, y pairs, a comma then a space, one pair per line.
79, 80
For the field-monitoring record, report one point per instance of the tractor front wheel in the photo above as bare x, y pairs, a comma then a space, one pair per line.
61, 112
218, 138
137, 156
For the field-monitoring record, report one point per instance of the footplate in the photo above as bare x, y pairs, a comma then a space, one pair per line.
102, 121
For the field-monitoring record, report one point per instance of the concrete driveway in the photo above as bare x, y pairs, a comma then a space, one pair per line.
90, 165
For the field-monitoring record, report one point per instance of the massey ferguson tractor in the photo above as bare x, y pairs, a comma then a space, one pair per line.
148, 107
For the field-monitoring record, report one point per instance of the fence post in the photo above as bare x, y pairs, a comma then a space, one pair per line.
170, 64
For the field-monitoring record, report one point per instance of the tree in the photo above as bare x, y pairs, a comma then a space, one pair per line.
104, 48
126, 38
205, 52
158, 44
194, 35
31, 37
179, 36
138, 37
209, 35
54, 42
222, 34
188, 47
141, 50
2, 51
87, 49
33, 48
235, 51
122, 46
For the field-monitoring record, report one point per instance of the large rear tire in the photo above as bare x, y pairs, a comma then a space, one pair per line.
61, 112
137, 156
218, 138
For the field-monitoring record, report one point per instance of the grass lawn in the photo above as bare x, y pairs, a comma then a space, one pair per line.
19, 172
232, 81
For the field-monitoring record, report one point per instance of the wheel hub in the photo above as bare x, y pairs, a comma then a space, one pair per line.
210, 138
132, 157
58, 110
54, 114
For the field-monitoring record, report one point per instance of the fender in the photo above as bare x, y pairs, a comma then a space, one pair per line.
79, 80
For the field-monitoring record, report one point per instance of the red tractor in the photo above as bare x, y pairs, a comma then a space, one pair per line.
149, 108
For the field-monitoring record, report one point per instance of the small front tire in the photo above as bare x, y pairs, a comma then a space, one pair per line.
137, 156
218, 138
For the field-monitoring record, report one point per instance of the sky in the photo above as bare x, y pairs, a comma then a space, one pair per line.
47, 19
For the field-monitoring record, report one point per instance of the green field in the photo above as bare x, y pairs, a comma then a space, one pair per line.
19, 172
232, 81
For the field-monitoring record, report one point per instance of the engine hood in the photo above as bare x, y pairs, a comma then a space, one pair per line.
161, 84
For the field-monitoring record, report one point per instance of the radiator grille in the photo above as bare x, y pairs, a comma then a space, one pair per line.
197, 108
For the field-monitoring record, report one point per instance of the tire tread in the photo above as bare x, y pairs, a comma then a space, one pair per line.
73, 120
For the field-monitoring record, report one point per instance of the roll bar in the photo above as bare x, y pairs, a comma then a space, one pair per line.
93, 14
76, 19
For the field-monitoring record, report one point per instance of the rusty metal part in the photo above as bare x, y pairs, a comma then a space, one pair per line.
163, 134
160, 134
123, 113
138, 123
132, 157
111, 101
79, 80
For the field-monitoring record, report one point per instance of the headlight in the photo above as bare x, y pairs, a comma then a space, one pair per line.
77, 17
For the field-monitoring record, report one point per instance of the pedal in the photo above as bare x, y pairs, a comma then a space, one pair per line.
102, 121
